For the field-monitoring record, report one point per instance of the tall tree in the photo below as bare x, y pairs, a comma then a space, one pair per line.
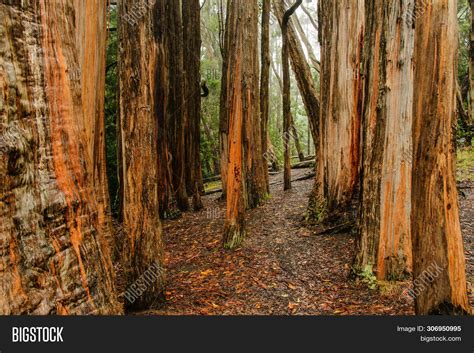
309, 48
142, 57
56, 258
293, 129
177, 123
243, 116
384, 241
91, 41
437, 239
287, 93
303, 75
265, 84
224, 39
342, 24
192, 94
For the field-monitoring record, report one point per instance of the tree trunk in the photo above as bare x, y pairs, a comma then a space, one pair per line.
303, 75
192, 57
437, 239
309, 48
224, 101
287, 94
384, 240
55, 255
91, 41
177, 122
142, 48
265, 84
243, 113
294, 130
342, 35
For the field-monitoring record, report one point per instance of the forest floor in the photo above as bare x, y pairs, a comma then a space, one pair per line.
282, 268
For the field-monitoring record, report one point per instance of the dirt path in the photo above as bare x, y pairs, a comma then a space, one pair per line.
281, 268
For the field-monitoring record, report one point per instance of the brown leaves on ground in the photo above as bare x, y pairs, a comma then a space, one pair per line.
281, 269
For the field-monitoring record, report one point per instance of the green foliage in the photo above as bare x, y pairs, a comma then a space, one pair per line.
367, 277
464, 19
465, 164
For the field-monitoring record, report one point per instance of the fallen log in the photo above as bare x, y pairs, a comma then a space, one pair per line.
304, 165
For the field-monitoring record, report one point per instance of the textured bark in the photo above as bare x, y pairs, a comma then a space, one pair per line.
54, 251
91, 41
265, 85
437, 239
142, 48
384, 240
177, 123
287, 94
243, 113
226, 33
192, 94
339, 148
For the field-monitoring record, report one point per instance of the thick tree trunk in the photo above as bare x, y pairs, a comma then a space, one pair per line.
384, 240
91, 41
224, 101
339, 148
243, 113
54, 251
177, 122
265, 84
437, 239
192, 96
142, 48
255, 163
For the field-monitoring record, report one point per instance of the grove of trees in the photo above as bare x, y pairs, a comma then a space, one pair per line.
119, 116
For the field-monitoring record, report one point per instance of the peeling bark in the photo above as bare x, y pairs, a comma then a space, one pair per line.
54, 254
265, 85
243, 117
342, 35
436, 231
384, 240
142, 48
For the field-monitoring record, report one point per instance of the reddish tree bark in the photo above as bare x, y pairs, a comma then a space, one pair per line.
384, 241
243, 117
437, 239
192, 96
142, 48
339, 143
265, 85
55, 255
